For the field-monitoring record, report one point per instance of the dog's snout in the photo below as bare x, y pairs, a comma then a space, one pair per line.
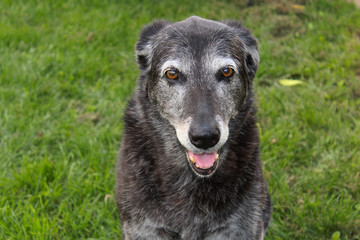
204, 137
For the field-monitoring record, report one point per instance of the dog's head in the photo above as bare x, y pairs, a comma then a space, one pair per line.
198, 73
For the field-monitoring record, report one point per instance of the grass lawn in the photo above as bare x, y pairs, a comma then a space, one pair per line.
67, 69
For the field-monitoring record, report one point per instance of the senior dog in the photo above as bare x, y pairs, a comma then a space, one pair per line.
189, 164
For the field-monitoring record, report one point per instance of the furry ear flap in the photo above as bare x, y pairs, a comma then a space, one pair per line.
252, 57
144, 45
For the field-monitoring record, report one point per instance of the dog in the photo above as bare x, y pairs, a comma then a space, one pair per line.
189, 163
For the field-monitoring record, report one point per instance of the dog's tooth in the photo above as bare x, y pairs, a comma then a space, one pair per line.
192, 159
217, 157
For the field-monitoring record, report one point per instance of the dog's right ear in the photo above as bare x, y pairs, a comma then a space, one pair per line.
144, 46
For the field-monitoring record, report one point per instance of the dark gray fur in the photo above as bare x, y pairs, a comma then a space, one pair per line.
158, 195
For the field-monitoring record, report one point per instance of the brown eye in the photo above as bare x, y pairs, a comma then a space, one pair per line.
171, 74
227, 72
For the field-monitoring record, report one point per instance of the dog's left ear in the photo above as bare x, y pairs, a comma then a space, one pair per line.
252, 57
144, 46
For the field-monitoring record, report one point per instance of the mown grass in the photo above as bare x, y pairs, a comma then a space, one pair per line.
67, 69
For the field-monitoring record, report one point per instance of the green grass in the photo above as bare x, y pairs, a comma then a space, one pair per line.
67, 69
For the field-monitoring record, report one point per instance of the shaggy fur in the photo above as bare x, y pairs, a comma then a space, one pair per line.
160, 195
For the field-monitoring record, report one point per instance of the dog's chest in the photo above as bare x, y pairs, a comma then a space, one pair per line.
195, 223
192, 213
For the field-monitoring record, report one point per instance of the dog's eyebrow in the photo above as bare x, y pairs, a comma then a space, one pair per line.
213, 63
170, 64
217, 63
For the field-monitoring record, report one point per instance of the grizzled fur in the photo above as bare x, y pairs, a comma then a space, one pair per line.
158, 195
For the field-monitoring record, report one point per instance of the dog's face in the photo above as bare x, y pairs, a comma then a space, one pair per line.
198, 73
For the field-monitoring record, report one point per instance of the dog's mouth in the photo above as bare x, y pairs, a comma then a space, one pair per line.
203, 164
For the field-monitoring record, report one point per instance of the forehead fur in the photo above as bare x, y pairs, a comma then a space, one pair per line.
195, 41
196, 38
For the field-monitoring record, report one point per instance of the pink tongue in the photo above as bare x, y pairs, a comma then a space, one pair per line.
203, 161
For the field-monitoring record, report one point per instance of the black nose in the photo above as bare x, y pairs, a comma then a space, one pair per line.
204, 137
